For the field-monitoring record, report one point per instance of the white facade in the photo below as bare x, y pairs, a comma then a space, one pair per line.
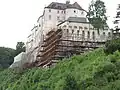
88, 29
75, 13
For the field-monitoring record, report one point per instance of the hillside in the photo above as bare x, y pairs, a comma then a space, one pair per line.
90, 71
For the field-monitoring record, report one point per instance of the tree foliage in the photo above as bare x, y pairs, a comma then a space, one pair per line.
6, 57
89, 71
96, 14
112, 45
20, 47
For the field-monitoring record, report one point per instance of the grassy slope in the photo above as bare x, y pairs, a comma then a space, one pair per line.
92, 71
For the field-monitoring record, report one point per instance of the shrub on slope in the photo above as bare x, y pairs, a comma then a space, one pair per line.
90, 71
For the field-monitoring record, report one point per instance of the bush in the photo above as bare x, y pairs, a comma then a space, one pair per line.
111, 46
71, 83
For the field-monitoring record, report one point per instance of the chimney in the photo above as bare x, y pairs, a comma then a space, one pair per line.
68, 2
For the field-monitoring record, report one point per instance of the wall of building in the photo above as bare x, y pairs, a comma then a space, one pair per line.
74, 28
74, 13
51, 18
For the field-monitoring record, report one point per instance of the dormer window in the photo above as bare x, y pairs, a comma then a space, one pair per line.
75, 27
49, 10
82, 13
80, 27
64, 26
85, 28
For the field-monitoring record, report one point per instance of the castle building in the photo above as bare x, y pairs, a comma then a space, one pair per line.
71, 18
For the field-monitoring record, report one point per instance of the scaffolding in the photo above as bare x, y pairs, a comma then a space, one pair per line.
62, 44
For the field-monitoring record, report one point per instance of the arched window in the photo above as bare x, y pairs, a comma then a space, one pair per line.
83, 34
80, 27
103, 33
91, 28
67, 31
85, 28
64, 26
72, 31
93, 35
74, 11
88, 36
109, 35
78, 32
75, 27
70, 26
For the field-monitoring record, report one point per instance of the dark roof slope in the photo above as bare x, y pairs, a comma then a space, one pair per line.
62, 6
77, 19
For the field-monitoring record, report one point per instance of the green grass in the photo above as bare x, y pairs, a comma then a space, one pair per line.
90, 71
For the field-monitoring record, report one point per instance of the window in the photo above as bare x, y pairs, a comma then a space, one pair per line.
49, 10
75, 27
93, 35
88, 35
85, 28
109, 34
72, 31
80, 27
67, 31
82, 13
78, 32
83, 34
58, 18
49, 17
91, 28
74, 11
64, 12
57, 11
103, 33
64, 26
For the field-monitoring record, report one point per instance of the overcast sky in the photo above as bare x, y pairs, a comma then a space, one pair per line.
17, 17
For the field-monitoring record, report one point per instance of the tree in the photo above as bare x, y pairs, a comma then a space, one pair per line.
96, 14
116, 32
6, 57
20, 47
